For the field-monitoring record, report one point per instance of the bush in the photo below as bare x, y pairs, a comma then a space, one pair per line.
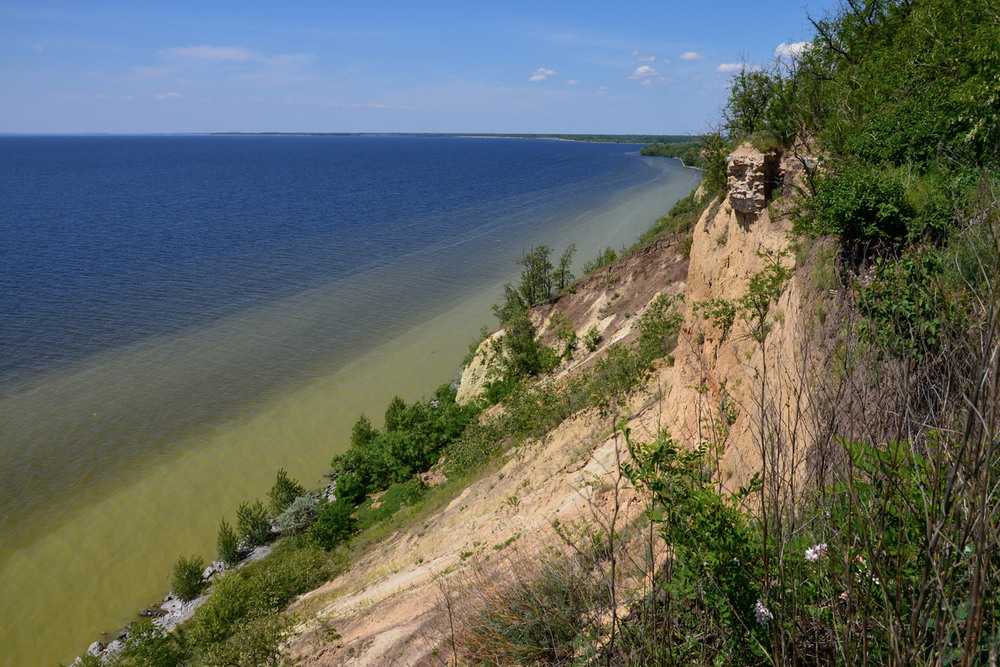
284, 491
395, 497
228, 543
539, 616
865, 206
255, 643
606, 257
411, 443
149, 646
334, 524
616, 375
186, 581
906, 309
258, 590
253, 524
714, 549
658, 328
298, 515
592, 339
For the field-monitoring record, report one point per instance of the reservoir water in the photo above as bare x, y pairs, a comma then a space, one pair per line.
182, 315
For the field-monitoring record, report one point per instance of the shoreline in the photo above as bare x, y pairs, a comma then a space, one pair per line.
421, 341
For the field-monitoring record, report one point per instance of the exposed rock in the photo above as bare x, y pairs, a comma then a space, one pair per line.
95, 649
217, 567
432, 477
113, 649
750, 177
176, 611
476, 373
256, 554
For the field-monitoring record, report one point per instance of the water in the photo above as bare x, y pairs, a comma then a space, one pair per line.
183, 315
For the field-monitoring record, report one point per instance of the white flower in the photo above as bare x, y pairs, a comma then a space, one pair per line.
762, 613
815, 552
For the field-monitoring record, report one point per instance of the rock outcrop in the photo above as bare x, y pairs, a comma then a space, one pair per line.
476, 373
751, 176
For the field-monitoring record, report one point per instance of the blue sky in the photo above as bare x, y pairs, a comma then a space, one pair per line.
657, 67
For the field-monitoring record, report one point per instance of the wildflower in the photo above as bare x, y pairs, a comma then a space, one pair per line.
815, 552
762, 613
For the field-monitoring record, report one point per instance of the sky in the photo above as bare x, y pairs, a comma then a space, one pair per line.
145, 67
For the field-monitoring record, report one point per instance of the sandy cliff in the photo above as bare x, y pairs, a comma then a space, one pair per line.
388, 608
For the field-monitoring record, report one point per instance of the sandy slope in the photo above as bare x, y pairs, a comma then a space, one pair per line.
388, 608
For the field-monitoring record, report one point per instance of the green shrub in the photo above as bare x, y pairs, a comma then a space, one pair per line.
615, 376
149, 646
865, 206
563, 276
606, 257
414, 436
395, 497
253, 524
254, 643
906, 309
258, 590
592, 339
658, 328
715, 552
283, 492
228, 543
298, 515
334, 524
186, 579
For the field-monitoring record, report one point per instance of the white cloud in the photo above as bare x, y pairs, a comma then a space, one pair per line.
732, 67
541, 74
643, 72
572, 82
168, 96
690, 55
214, 53
790, 50
644, 58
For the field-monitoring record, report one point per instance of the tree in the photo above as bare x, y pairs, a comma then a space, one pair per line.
395, 414
334, 524
284, 491
563, 276
187, 583
253, 524
536, 275
362, 432
750, 95
228, 544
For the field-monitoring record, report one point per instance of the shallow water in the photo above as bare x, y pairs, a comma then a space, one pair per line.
151, 379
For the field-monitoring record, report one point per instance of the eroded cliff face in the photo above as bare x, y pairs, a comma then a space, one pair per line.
389, 607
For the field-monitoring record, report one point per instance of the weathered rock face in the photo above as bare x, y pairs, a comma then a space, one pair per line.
750, 177
477, 372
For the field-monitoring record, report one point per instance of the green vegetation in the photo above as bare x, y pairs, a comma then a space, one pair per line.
411, 442
299, 514
253, 524
186, 579
689, 152
228, 544
334, 524
284, 491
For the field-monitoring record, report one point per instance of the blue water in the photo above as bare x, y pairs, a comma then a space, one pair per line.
108, 240
180, 316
